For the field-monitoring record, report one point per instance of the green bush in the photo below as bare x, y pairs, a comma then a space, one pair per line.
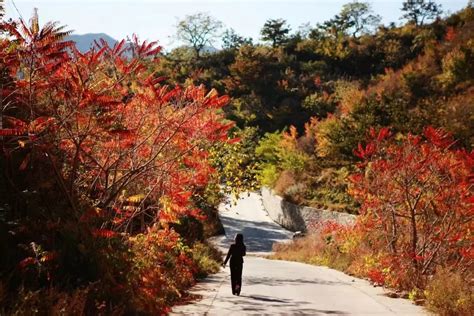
268, 175
293, 160
268, 153
320, 104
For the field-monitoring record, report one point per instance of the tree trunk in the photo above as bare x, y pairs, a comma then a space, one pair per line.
414, 237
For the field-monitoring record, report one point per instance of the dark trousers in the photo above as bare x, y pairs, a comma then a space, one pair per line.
236, 277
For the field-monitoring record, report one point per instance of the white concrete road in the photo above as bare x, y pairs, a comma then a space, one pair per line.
272, 287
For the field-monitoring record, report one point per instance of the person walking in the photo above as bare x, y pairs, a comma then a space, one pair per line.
236, 253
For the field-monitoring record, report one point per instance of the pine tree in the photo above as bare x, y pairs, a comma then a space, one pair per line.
418, 11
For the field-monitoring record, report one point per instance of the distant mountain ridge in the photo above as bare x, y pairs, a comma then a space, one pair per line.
84, 42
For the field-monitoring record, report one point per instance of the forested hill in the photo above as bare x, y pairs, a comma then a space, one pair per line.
314, 73
333, 83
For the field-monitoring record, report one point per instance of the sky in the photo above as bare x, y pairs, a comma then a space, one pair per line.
156, 19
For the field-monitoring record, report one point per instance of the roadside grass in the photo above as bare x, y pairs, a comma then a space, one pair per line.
447, 293
312, 250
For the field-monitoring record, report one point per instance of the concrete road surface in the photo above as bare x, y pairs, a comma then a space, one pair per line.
271, 287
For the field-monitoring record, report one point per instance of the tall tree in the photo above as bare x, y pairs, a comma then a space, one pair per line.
416, 195
355, 18
359, 17
275, 31
198, 30
418, 11
334, 27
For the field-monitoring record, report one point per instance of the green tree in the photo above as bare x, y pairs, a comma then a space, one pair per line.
355, 18
333, 28
268, 152
236, 161
418, 11
198, 31
232, 40
275, 31
359, 17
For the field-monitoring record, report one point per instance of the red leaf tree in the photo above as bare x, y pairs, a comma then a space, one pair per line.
417, 199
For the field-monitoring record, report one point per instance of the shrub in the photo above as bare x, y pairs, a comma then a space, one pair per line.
236, 161
416, 198
320, 104
349, 94
268, 152
206, 258
414, 230
328, 189
268, 175
296, 193
457, 66
162, 267
293, 160
450, 293
336, 138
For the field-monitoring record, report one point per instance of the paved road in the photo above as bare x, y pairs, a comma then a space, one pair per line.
279, 287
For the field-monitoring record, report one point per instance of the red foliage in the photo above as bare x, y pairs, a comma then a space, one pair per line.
125, 153
164, 267
11, 132
416, 198
103, 233
110, 129
376, 276
29, 261
450, 34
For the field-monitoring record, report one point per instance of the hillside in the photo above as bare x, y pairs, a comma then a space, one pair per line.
333, 89
84, 42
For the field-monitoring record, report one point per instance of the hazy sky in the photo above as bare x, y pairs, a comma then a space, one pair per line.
156, 19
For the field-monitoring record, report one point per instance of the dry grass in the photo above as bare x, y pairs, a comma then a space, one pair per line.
449, 294
312, 249
285, 180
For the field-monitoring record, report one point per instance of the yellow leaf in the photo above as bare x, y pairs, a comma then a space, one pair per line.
136, 198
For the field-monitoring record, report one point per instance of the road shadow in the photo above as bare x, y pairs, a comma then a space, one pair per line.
261, 304
259, 236
272, 281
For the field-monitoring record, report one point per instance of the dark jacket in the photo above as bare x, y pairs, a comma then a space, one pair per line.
236, 253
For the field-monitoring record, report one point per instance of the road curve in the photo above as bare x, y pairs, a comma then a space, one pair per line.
271, 287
